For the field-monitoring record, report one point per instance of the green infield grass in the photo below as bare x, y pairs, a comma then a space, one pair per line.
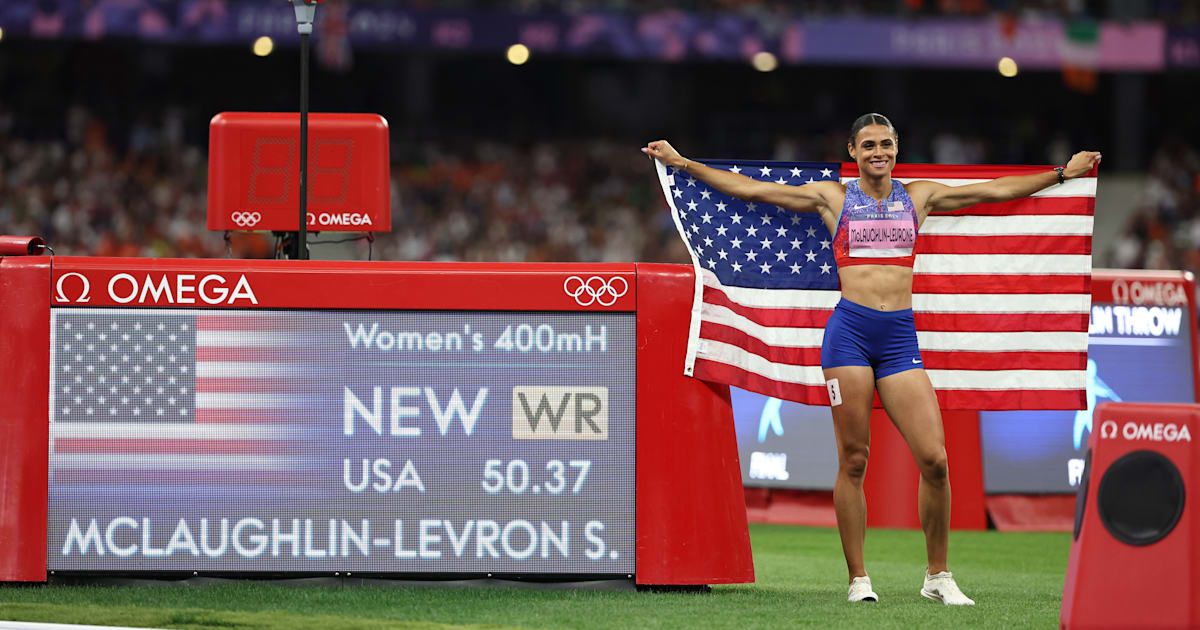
1016, 578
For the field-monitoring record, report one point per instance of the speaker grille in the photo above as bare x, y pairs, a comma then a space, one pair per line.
1140, 498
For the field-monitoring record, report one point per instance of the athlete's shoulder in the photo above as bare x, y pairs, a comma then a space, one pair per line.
920, 190
921, 186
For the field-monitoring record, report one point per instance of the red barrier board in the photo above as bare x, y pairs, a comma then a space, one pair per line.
292, 397
24, 368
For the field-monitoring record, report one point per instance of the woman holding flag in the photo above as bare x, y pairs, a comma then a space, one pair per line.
870, 342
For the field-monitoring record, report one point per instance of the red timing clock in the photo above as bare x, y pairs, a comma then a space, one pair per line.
254, 170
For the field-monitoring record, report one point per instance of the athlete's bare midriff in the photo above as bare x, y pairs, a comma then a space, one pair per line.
881, 287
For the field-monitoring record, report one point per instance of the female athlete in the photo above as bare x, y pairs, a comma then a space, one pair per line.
870, 343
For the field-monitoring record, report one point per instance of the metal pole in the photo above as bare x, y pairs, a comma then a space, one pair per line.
305, 12
302, 240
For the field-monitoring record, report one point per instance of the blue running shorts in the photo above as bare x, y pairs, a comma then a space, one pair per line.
886, 341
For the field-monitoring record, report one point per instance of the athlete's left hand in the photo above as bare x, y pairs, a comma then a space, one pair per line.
1081, 163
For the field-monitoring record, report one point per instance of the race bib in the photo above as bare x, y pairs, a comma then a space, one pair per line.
881, 238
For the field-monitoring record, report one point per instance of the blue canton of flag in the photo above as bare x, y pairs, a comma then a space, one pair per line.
756, 245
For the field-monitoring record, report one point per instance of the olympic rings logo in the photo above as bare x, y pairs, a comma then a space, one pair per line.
246, 219
595, 290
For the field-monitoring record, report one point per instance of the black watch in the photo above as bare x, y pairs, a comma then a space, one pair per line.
1062, 179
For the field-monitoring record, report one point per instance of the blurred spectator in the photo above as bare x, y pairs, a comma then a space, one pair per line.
1164, 233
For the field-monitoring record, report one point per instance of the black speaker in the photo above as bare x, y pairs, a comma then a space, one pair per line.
1141, 498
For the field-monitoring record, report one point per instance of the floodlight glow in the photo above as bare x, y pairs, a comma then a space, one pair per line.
263, 46
517, 54
764, 61
1007, 67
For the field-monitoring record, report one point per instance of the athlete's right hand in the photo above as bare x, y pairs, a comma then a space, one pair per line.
662, 151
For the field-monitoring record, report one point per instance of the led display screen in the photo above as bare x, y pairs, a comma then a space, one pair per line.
784, 444
321, 441
1136, 353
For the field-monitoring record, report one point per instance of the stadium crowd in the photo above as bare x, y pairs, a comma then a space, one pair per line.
151, 12
478, 201
554, 200
1174, 9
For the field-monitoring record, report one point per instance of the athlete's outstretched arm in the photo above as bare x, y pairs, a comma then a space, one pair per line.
814, 197
942, 198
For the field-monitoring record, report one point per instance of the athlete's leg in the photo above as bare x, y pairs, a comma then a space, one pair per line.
855, 385
913, 407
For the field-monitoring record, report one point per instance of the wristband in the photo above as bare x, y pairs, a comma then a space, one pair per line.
1062, 179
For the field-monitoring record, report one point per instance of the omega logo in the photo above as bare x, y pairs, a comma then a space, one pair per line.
84, 295
1150, 431
1137, 292
179, 288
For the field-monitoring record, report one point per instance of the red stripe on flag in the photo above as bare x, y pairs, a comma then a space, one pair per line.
251, 416
250, 384
160, 446
775, 354
1029, 206
255, 322
1001, 322
790, 317
1001, 283
983, 361
1024, 244
170, 478
245, 353
1002, 400
724, 373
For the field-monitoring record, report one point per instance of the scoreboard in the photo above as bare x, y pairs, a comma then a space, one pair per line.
375, 441
229, 417
254, 172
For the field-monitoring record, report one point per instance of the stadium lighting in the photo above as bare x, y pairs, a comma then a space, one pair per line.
1007, 67
517, 54
263, 46
1, 34
764, 61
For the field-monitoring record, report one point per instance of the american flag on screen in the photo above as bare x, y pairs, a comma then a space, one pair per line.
145, 395
1001, 292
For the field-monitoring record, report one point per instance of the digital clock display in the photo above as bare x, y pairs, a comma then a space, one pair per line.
254, 172
323, 440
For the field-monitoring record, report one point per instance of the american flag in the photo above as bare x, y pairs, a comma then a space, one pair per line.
1001, 292
151, 396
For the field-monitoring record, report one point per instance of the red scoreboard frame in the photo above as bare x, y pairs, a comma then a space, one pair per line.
254, 165
691, 525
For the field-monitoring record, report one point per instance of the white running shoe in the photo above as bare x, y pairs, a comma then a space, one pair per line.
940, 587
860, 590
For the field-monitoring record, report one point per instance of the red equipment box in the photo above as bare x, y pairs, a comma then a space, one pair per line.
254, 167
1135, 558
